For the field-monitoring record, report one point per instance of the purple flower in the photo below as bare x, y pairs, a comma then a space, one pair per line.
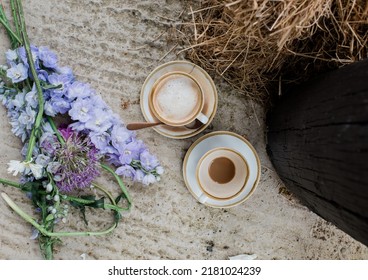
120, 136
130, 152
126, 171
102, 142
78, 126
66, 71
18, 101
95, 132
139, 175
49, 143
17, 73
27, 118
23, 56
48, 58
43, 75
59, 80
99, 122
98, 102
113, 158
81, 110
79, 90
60, 105
32, 98
53, 167
11, 57
78, 160
49, 109
66, 132
148, 161
42, 160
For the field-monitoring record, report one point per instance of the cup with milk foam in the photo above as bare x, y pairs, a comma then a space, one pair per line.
177, 99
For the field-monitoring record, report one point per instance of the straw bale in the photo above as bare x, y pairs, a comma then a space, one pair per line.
258, 44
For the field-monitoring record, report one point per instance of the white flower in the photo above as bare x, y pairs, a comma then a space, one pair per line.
159, 170
15, 167
148, 179
11, 55
36, 169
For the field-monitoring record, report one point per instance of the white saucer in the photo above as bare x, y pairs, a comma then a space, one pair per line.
210, 96
215, 140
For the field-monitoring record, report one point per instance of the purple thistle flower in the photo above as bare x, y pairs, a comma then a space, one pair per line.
66, 132
78, 160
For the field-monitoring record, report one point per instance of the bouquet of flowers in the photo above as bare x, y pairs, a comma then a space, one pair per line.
62, 160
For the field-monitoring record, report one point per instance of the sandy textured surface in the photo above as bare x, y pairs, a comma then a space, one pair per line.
110, 45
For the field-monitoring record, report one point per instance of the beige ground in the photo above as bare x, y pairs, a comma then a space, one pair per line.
109, 44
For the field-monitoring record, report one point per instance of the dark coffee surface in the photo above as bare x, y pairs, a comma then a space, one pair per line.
221, 170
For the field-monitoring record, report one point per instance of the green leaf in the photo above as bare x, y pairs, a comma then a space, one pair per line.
97, 203
118, 198
117, 217
48, 86
88, 201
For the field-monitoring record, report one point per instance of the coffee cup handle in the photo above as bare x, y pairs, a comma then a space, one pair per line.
202, 118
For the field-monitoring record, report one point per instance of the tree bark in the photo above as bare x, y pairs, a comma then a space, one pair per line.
318, 142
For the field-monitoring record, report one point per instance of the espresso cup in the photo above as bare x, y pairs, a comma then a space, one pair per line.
222, 174
177, 99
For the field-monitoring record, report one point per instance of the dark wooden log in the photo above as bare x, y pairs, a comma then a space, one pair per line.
318, 142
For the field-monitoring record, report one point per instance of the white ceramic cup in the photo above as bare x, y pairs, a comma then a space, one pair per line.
177, 99
222, 174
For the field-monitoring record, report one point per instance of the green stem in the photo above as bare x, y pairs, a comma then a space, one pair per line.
13, 37
53, 126
16, 22
86, 202
105, 192
10, 183
45, 232
18, 11
48, 251
120, 183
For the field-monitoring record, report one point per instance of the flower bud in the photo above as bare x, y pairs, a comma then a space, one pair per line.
49, 187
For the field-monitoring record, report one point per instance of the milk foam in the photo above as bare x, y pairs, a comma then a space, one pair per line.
177, 98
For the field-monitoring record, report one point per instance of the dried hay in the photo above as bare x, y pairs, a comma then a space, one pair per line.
255, 44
